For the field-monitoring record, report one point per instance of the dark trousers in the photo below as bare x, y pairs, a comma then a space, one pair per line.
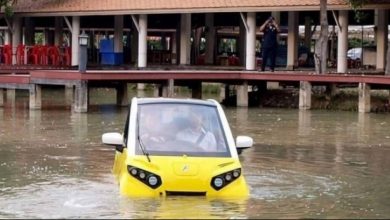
269, 52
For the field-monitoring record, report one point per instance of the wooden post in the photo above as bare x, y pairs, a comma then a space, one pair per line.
58, 29
381, 20
122, 97
210, 38
1, 97
196, 88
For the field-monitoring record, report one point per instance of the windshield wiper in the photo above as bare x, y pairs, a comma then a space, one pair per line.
141, 144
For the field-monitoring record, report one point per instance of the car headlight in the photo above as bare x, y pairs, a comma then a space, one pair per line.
150, 179
220, 181
228, 177
236, 173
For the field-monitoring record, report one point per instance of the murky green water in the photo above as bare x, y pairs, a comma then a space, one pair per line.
305, 164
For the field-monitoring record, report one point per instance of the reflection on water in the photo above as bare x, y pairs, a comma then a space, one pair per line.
305, 164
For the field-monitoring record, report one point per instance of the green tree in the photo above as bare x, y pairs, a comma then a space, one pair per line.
6, 6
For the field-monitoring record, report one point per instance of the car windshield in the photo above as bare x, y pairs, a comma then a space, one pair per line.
180, 129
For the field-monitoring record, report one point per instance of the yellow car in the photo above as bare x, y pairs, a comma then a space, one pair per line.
178, 147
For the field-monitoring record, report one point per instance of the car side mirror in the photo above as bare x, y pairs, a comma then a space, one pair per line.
243, 142
114, 139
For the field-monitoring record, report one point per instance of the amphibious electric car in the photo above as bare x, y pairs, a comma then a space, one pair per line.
178, 147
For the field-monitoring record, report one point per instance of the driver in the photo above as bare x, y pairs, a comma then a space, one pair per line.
195, 134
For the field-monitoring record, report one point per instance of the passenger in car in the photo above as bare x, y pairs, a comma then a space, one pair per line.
150, 129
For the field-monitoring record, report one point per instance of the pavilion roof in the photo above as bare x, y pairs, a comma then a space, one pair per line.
105, 7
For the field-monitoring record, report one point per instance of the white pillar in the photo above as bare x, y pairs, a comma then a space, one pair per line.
69, 94
11, 95
292, 40
210, 35
35, 96
251, 41
185, 39
305, 95
381, 21
242, 95
118, 34
142, 43
140, 86
16, 36
222, 92
81, 97
75, 40
364, 97
342, 42
168, 89
7, 37
58, 31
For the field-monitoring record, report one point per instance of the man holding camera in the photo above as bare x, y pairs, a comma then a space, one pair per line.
270, 28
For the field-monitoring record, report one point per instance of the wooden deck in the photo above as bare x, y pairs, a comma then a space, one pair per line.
79, 83
222, 76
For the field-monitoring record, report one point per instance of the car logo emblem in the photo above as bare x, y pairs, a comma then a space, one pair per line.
185, 168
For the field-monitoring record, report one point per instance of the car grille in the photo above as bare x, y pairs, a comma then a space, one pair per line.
178, 193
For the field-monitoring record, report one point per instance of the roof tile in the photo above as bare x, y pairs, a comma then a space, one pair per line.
101, 6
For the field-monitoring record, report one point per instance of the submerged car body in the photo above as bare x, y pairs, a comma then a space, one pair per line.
178, 147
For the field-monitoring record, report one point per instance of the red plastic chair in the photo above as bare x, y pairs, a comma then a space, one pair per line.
66, 56
200, 60
20, 54
34, 56
233, 61
7, 54
44, 52
53, 54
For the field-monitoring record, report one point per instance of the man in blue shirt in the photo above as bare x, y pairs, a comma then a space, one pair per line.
270, 43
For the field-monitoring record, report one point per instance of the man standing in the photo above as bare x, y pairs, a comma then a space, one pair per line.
270, 43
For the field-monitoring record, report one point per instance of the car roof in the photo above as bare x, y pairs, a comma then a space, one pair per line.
175, 100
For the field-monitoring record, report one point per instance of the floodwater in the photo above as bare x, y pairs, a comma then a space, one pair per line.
304, 164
